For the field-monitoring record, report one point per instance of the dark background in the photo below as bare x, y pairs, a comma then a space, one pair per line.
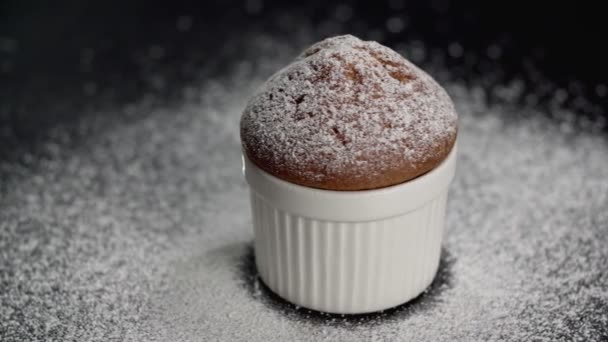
44, 44
566, 38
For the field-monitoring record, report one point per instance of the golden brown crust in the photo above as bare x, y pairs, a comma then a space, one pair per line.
350, 180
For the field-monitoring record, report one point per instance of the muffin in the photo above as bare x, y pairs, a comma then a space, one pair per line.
349, 152
349, 115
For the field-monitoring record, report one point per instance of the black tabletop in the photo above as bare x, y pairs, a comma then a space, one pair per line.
124, 216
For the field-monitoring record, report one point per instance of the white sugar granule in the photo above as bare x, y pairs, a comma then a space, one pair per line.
141, 231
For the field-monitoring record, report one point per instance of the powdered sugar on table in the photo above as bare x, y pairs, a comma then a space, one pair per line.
135, 226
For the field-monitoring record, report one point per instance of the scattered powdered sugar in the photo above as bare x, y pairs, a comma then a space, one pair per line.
141, 231
348, 108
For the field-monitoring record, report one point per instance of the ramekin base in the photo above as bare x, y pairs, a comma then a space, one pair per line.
337, 262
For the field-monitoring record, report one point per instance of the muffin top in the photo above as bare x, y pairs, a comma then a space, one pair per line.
349, 114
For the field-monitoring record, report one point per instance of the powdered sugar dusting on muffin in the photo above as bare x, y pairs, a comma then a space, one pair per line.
348, 108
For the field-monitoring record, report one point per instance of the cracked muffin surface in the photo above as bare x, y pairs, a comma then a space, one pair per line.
349, 114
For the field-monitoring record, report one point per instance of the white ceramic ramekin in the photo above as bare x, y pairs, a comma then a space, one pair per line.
349, 251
